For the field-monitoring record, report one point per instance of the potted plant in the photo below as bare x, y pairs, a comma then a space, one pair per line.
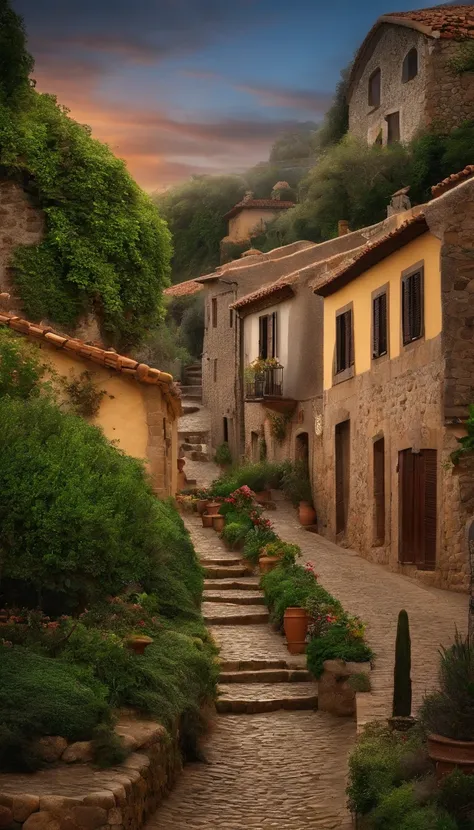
448, 714
276, 553
138, 642
223, 456
295, 624
402, 719
202, 500
297, 486
218, 522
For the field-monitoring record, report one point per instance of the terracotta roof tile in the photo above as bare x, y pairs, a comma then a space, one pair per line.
183, 289
259, 204
452, 181
454, 22
107, 357
370, 254
266, 291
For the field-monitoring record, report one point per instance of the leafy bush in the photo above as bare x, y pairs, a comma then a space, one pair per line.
450, 711
336, 644
234, 533
456, 795
255, 476
42, 696
20, 367
400, 810
255, 540
285, 551
223, 455
79, 520
295, 483
360, 682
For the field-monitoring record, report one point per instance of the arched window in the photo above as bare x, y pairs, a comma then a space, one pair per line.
410, 66
374, 88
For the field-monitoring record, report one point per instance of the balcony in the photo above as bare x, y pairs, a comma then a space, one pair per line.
266, 383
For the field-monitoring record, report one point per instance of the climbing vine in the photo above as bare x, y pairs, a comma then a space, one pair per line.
105, 248
279, 425
463, 60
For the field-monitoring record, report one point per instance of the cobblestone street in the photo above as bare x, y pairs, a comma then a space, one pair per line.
274, 760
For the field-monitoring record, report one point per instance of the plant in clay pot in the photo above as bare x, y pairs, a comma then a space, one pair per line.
276, 553
401, 709
218, 523
448, 715
207, 519
295, 624
202, 499
138, 642
223, 456
297, 487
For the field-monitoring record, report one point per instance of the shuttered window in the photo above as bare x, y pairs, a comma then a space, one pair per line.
214, 312
267, 336
412, 306
417, 496
374, 88
379, 491
379, 325
344, 341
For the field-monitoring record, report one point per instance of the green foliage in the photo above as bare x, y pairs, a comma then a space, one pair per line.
456, 795
78, 519
41, 696
336, 120
161, 347
336, 644
360, 682
15, 62
435, 155
20, 368
107, 747
235, 532
293, 586
466, 441
255, 540
285, 551
258, 477
450, 711
401, 676
295, 483
463, 61
223, 455
105, 246
400, 810
291, 145
278, 425
191, 331
84, 394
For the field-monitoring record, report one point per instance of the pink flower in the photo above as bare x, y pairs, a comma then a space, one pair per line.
141, 623
52, 625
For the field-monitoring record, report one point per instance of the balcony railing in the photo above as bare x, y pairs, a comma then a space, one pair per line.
268, 383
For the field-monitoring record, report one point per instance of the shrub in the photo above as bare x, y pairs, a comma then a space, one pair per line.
450, 711
336, 644
223, 455
20, 367
401, 678
399, 810
295, 483
360, 682
78, 518
255, 540
285, 551
456, 795
42, 696
234, 533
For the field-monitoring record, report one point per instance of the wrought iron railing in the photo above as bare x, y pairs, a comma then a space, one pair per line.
268, 383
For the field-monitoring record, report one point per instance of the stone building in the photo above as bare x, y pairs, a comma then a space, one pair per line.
403, 77
249, 218
398, 382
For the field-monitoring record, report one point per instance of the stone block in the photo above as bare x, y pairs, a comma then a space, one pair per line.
89, 817
103, 798
50, 748
79, 752
6, 816
42, 821
114, 816
24, 805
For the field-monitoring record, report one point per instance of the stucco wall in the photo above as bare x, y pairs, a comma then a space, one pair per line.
249, 221
409, 98
20, 224
427, 249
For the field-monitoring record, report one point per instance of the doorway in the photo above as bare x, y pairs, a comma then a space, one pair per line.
379, 492
302, 448
254, 447
417, 483
226, 430
342, 475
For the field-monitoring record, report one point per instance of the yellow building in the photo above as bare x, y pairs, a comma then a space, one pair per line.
398, 382
250, 216
140, 406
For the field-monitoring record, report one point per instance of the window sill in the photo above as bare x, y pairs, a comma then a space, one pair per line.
412, 343
340, 377
377, 361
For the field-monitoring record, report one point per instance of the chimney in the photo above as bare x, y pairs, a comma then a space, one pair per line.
399, 202
342, 227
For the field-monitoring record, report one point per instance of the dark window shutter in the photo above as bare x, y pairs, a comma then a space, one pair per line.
416, 305
406, 470
349, 348
269, 336
262, 334
406, 318
339, 344
376, 327
274, 352
383, 338
429, 459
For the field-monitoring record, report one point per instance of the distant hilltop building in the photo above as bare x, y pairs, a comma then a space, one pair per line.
411, 72
250, 216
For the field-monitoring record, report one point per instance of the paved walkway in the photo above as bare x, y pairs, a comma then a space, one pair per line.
275, 762
377, 596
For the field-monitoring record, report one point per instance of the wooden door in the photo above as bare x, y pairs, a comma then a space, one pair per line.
342, 475
379, 491
417, 477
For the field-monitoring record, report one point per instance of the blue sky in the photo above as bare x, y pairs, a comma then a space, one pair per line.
194, 86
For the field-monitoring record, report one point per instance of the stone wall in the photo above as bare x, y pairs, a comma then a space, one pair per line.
409, 99
449, 97
20, 224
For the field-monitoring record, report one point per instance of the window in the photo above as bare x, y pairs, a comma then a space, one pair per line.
342, 475
215, 370
393, 127
379, 492
214, 312
231, 318
225, 424
417, 496
374, 88
412, 304
344, 341
410, 66
379, 324
267, 336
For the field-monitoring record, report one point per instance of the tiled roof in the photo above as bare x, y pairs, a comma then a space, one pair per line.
453, 22
259, 204
452, 181
183, 289
107, 358
266, 291
371, 254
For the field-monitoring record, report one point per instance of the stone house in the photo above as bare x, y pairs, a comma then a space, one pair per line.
403, 78
139, 409
398, 382
249, 218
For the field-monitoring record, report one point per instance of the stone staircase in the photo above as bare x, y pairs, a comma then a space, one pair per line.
235, 611
194, 425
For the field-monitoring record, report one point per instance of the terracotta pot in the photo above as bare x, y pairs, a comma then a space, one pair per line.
201, 506
181, 463
213, 506
263, 496
218, 522
207, 520
295, 623
306, 514
139, 644
267, 563
448, 754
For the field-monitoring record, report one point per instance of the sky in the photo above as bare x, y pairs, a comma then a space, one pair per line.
182, 87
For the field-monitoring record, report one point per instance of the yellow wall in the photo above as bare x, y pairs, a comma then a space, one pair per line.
359, 291
248, 221
123, 418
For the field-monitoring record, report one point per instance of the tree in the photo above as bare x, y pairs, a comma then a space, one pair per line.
298, 143
336, 120
16, 63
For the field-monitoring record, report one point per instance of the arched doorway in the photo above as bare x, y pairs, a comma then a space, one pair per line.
302, 447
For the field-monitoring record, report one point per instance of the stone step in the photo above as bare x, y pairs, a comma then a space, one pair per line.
251, 665
197, 456
198, 437
247, 583
190, 409
281, 675
220, 572
250, 698
191, 391
226, 614
235, 597
229, 561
